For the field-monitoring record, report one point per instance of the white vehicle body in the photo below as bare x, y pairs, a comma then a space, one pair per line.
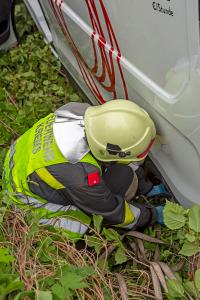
143, 50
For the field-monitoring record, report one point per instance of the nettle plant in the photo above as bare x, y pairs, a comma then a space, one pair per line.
186, 222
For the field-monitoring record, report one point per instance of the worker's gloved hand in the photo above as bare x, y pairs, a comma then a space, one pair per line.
159, 214
158, 190
148, 215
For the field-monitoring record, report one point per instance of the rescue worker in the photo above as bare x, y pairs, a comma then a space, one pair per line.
82, 160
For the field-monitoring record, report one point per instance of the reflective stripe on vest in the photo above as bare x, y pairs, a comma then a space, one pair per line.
131, 217
48, 178
70, 218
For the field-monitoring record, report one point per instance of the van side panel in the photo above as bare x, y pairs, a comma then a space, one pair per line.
147, 51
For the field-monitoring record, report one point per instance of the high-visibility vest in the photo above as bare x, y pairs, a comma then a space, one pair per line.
35, 150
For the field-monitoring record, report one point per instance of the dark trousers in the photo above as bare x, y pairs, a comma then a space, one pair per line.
118, 178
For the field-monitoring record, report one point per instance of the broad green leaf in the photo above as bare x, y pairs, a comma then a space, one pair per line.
84, 272
2, 95
107, 294
60, 292
190, 237
72, 281
189, 249
194, 218
43, 295
46, 82
5, 257
30, 86
55, 87
97, 220
111, 235
103, 265
174, 215
197, 279
175, 289
29, 74
9, 287
72, 278
74, 98
22, 295
120, 256
16, 285
190, 288
93, 241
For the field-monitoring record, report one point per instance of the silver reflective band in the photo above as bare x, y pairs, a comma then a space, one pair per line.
69, 133
136, 212
61, 222
73, 226
11, 165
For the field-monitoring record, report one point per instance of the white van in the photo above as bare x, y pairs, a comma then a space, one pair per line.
144, 50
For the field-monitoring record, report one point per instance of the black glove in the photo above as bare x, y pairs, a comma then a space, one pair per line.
148, 215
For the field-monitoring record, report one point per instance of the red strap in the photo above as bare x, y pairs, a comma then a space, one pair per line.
143, 154
93, 179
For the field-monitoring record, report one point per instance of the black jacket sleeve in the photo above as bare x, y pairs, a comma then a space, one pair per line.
97, 199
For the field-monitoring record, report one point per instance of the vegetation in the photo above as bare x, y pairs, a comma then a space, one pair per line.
32, 83
40, 262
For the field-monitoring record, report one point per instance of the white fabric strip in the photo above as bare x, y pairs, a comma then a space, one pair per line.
61, 222
69, 132
136, 212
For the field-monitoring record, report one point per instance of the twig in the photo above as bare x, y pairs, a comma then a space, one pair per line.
11, 99
160, 275
189, 297
133, 247
136, 260
9, 128
157, 250
142, 253
166, 269
4, 145
156, 284
143, 236
107, 252
178, 266
123, 287
145, 295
